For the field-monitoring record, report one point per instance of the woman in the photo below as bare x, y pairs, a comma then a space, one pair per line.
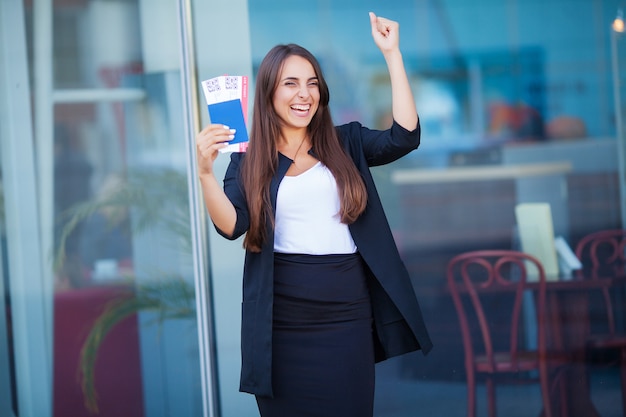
325, 293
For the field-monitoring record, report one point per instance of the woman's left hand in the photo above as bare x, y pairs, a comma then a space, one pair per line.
386, 33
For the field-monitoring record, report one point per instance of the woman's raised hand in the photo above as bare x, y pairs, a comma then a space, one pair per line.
386, 33
208, 143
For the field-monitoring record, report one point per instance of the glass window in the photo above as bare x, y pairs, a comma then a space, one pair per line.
516, 106
520, 101
8, 386
122, 214
112, 193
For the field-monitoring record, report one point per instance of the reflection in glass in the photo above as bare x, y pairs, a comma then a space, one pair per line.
128, 207
125, 336
530, 87
125, 252
7, 346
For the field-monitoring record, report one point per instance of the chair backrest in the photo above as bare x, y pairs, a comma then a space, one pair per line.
500, 277
603, 255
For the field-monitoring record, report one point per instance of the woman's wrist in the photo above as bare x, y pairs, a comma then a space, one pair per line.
392, 54
206, 176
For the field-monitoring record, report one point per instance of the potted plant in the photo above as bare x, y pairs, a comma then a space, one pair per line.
154, 198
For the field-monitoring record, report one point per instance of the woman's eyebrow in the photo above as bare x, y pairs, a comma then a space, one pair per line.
296, 78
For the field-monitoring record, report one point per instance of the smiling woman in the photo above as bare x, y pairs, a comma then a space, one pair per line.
318, 248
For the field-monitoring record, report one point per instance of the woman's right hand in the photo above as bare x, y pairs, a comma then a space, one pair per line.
208, 143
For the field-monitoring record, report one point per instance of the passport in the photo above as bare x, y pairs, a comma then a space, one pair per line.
227, 101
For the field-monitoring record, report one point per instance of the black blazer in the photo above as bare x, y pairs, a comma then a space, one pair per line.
398, 322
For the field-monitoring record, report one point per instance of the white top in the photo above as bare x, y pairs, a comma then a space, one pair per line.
307, 215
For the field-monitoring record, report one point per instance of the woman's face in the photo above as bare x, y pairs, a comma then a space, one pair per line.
297, 96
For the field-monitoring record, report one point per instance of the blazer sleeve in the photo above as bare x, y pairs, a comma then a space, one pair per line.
381, 146
234, 191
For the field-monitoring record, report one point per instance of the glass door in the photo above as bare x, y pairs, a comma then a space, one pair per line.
102, 283
25, 354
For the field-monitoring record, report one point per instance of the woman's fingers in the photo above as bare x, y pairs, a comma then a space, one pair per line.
382, 25
216, 133
384, 31
208, 142
213, 137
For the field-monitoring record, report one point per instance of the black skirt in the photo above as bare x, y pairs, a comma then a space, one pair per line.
322, 343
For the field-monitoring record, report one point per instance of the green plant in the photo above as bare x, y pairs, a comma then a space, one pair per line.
154, 198
172, 299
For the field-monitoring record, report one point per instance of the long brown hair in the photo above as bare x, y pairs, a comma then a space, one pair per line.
261, 161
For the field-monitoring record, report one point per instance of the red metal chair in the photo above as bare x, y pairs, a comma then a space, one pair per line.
602, 255
494, 344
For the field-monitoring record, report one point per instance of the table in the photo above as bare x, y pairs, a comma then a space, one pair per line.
568, 311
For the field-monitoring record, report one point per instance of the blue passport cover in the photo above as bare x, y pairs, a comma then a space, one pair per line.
230, 113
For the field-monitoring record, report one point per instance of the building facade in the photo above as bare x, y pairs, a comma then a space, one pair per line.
120, 299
